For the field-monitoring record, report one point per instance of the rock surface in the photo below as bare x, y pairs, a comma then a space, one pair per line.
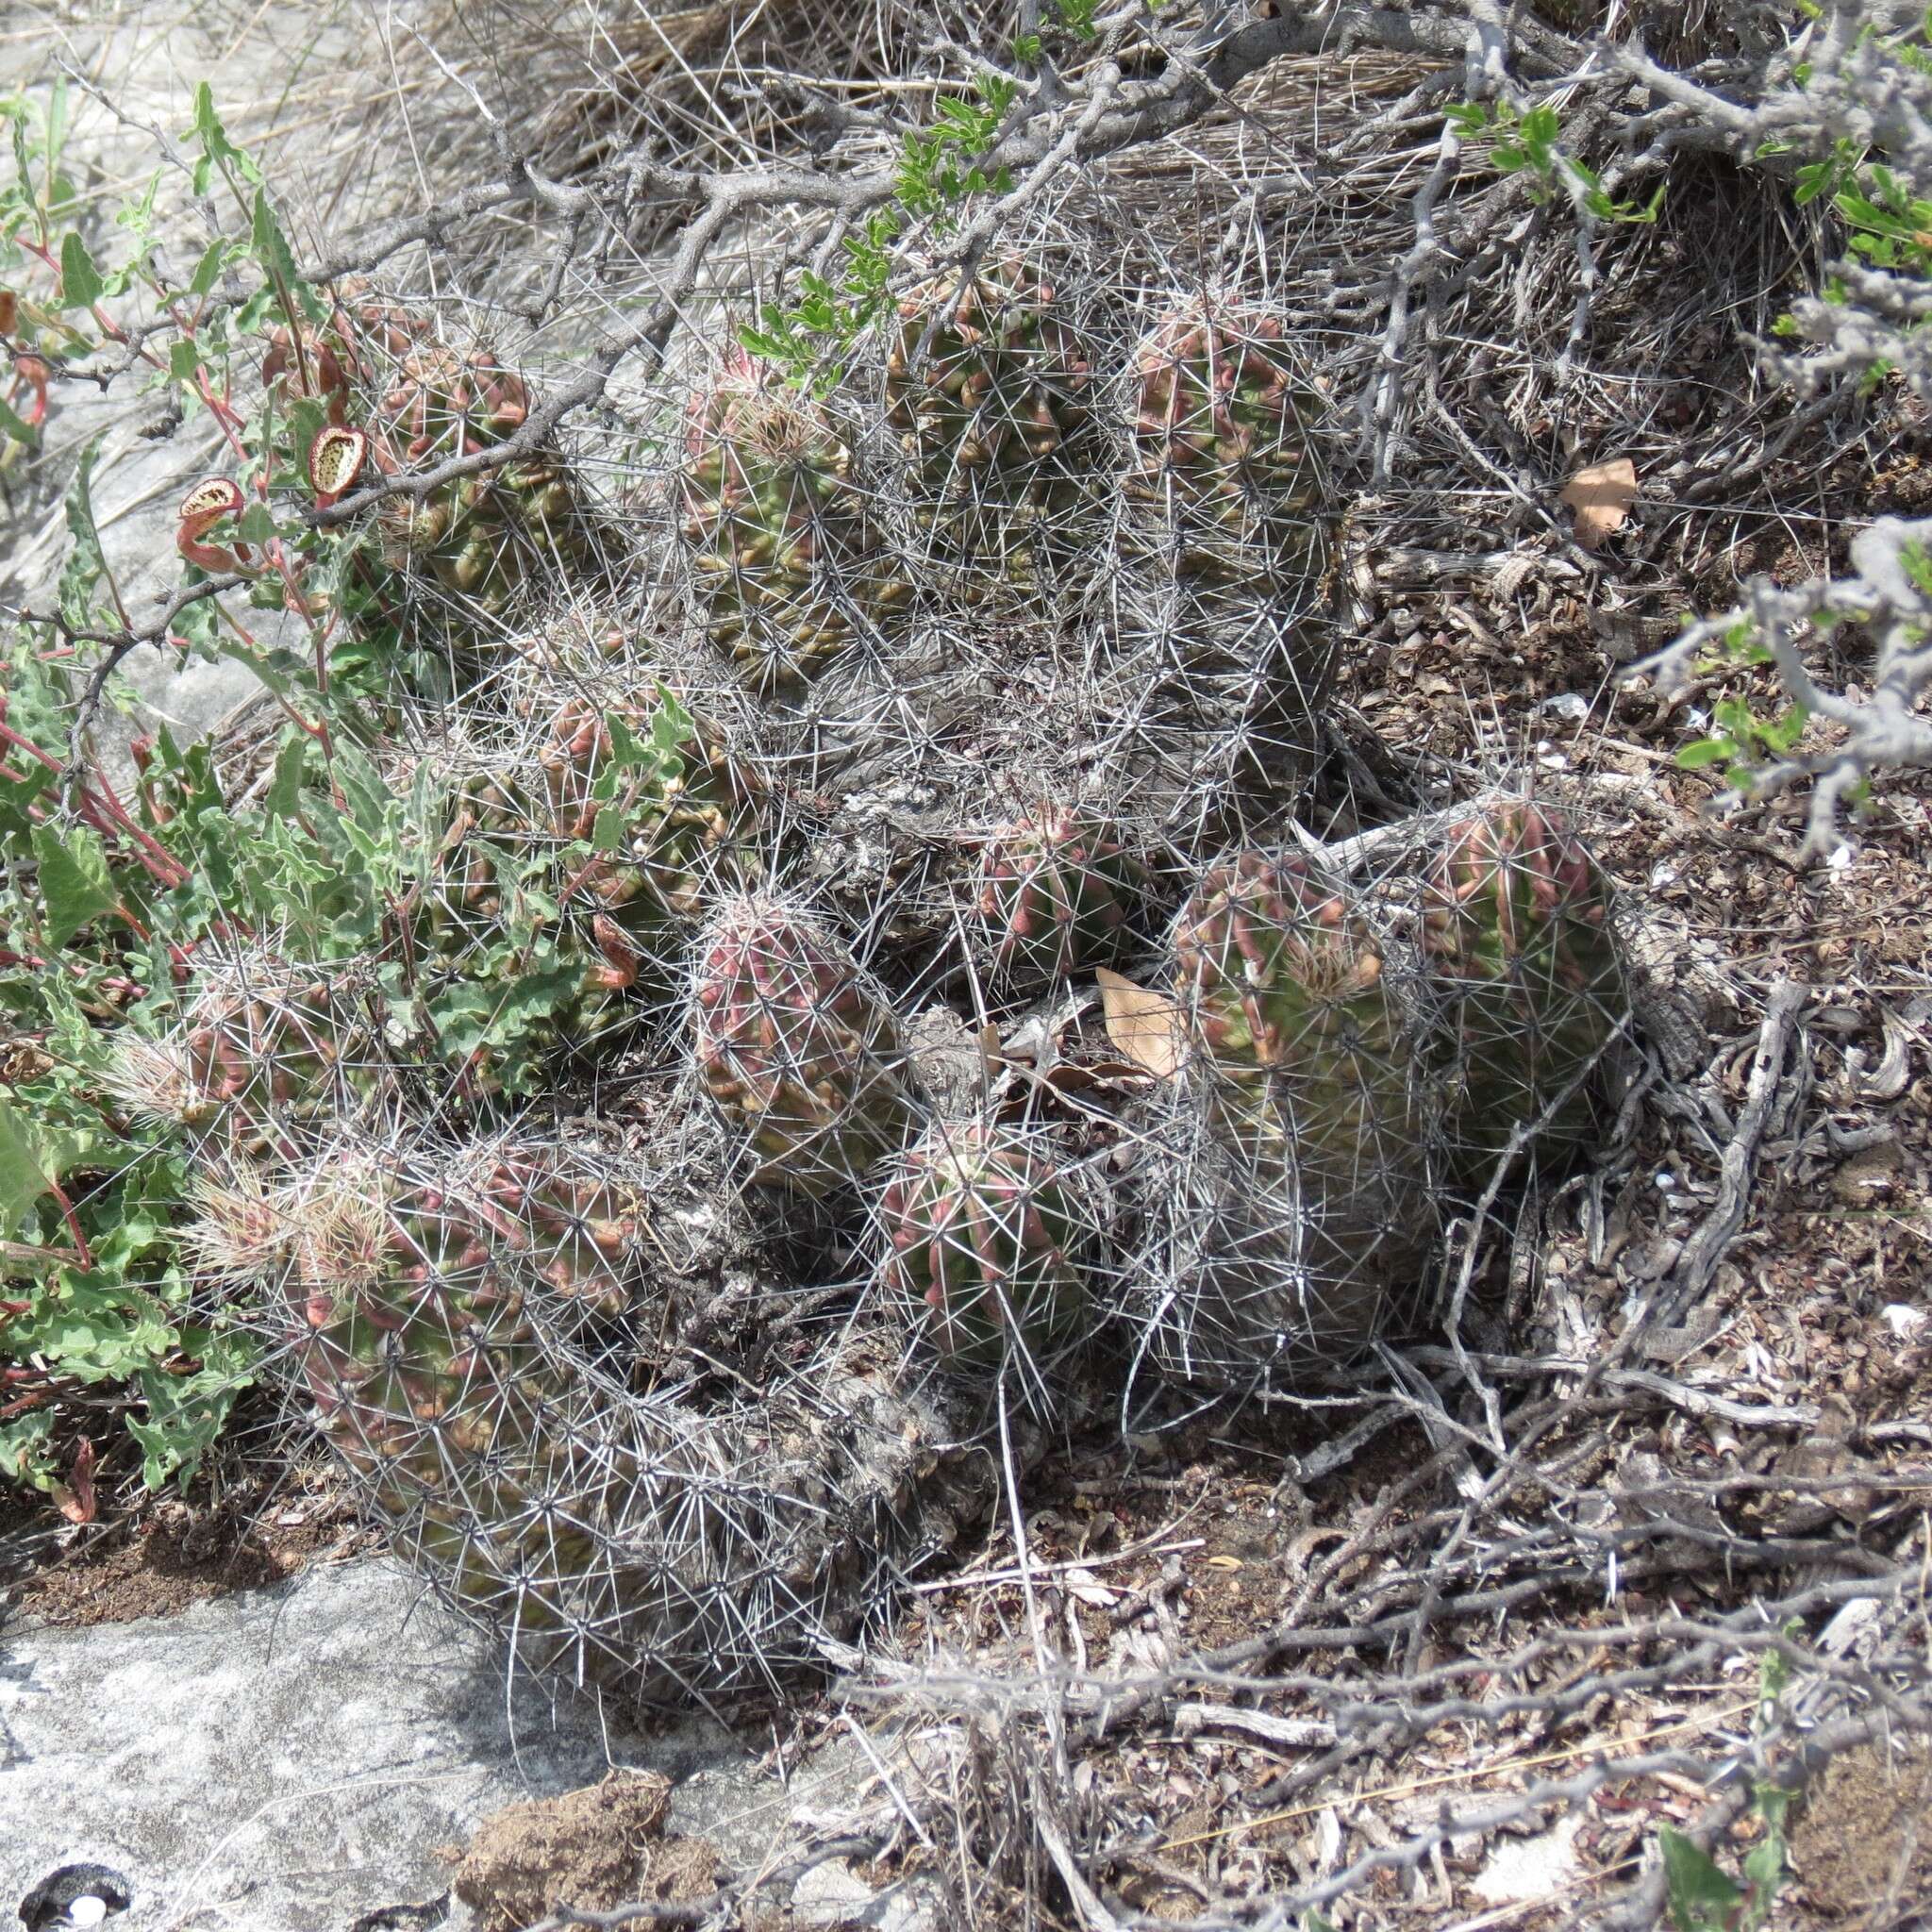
293, 1760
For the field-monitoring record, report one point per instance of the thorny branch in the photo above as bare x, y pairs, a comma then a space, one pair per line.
1880, 727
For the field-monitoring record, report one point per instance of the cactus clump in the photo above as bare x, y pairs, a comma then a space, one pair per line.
786, 566
259, 1047
1054, 891
424, 1312
394, 1313
985, 1237
1221, 448
1516, 927
989, 389
797, 1052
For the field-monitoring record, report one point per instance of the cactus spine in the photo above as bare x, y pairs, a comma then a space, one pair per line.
1221, 448
785, 567
989, 389
1054, 894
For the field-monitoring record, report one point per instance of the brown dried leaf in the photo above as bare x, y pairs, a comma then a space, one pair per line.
75, 1498
1146, 1026
1601, 494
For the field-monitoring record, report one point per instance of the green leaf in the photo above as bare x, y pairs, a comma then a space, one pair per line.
23, 1451
627, 754
207, 271
1701, 1896
1764, 1867
1541, 125
81, 280
75, 885
138, 216
21, 1183
672, 726
96, 1326
283, 799
256, 523
272, 246
217, 150
186, 1413
1706, 751
16, 429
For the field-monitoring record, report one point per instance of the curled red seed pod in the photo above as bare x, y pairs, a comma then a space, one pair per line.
336, 459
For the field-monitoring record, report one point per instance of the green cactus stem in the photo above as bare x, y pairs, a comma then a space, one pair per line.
786, 565
1532, 990
984, 1242
1054, 893
799, 1055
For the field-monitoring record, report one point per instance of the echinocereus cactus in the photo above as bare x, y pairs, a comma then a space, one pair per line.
259, 1046
485, 536
1255, 1273
1284, 989
989, 387
1516, 927
984, 1236
400, 1301
1222, 447
1054, 893
786, 566
799, 1053
393, 1310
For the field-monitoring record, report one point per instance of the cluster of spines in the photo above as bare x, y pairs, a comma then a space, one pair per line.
1532, 990
784, 552
796, 1049
1055, 893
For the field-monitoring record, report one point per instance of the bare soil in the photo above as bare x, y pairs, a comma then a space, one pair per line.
590, 1849
160, 1557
